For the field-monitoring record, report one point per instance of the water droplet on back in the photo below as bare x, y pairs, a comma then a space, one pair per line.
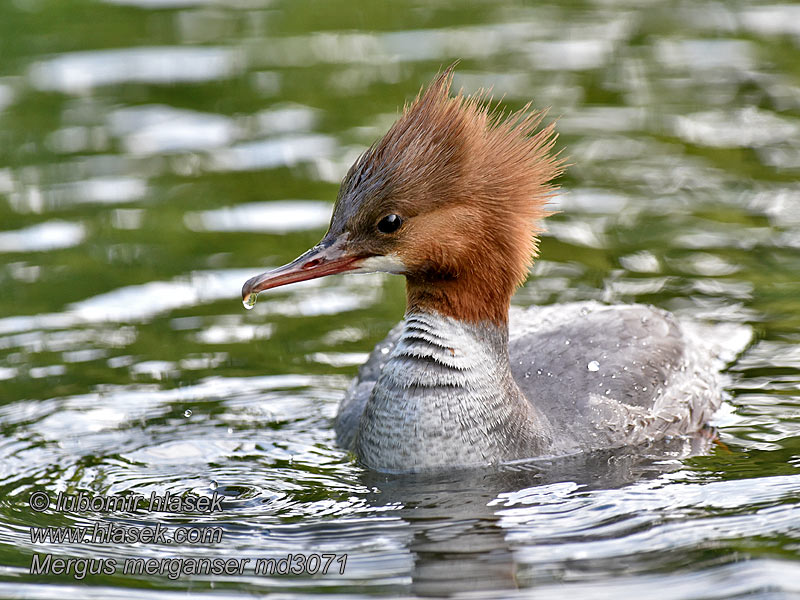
593, 366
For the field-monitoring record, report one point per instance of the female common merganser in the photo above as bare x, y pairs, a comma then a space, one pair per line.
450, 197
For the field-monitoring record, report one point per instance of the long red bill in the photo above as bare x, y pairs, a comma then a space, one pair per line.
318, 262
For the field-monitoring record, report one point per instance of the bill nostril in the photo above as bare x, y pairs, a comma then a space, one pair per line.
312, 263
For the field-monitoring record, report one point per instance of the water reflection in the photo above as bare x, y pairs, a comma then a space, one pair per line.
50, 235
270, 217
161, 3
273, 152
79, 72
776, 19
746, 127
159, 129
99, 190
468, 529
6, 96
706, 55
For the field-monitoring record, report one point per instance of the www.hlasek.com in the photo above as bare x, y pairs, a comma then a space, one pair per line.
111, 533
100, 532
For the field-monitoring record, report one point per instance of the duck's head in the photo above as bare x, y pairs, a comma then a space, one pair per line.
450, 197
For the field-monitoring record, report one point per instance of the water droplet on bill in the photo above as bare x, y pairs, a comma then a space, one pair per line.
250, 301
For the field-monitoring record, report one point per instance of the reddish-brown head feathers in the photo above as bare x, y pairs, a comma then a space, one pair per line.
471, 185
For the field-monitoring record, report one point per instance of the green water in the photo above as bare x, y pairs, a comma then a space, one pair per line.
156, 154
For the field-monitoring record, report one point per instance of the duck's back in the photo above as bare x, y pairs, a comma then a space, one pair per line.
603, 376
612, 375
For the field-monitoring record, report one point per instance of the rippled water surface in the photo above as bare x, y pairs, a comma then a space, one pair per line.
154, 154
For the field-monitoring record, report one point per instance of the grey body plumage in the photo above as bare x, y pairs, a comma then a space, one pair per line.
575, 377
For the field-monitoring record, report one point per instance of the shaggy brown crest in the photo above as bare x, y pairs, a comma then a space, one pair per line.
477, 179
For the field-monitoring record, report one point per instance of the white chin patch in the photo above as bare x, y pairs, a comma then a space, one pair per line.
390, 263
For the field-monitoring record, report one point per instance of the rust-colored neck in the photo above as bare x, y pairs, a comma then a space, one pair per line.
464, 298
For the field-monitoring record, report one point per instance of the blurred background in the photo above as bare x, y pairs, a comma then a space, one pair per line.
154, 154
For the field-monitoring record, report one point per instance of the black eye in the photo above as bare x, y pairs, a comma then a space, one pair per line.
389, 224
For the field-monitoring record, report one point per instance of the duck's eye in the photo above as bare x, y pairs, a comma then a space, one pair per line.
389, 224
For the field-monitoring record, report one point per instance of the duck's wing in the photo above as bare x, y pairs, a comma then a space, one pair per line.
614, 375
355, 399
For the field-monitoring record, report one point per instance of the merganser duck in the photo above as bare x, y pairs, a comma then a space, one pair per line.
451, 197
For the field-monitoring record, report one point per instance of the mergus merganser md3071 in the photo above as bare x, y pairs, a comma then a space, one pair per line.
450, 197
